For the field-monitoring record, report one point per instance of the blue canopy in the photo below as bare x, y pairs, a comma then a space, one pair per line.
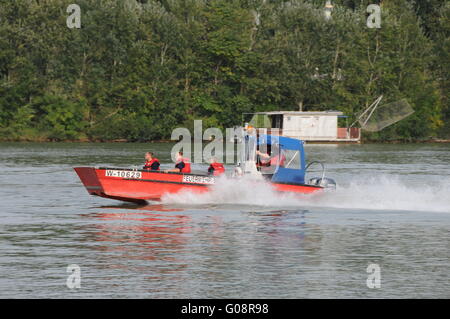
293, 168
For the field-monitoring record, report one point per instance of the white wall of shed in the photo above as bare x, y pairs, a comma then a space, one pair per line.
312, 127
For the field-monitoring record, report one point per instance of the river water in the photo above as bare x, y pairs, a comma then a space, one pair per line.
391, 209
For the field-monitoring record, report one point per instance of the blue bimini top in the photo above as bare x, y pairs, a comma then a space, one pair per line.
293, 165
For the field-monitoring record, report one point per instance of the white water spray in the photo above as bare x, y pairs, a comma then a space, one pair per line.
381, 193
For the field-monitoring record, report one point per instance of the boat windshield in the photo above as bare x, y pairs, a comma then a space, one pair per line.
292, 159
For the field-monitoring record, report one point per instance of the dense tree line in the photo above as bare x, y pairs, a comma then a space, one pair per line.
137, 69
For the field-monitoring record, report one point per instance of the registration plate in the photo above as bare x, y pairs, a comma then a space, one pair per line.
123, 174
198, 179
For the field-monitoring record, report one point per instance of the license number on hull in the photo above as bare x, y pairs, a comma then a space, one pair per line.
198, 179
123, 174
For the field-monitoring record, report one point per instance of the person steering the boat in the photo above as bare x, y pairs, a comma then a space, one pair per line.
268, 163
182, 164
215, 168
151, 163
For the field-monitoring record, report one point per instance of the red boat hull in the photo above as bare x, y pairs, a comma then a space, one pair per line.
141, 185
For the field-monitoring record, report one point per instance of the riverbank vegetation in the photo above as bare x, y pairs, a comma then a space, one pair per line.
135, 70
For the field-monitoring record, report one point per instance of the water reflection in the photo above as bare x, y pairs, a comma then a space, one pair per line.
159, 240
145, 233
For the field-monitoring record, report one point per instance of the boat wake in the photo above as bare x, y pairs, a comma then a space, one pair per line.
380, 193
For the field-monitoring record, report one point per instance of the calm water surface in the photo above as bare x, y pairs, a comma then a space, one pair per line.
392, 208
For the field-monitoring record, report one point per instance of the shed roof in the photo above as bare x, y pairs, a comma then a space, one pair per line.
301, 113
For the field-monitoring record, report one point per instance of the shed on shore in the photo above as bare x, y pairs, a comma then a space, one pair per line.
307, 126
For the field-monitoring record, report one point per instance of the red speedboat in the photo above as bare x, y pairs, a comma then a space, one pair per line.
139, 185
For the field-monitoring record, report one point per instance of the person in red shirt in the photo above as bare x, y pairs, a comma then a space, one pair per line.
151, 163
215, 168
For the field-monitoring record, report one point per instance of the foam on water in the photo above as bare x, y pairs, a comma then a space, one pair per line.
381, 192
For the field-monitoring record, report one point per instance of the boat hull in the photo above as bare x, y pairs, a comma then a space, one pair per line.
139, 186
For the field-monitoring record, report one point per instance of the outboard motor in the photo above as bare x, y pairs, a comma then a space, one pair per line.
327, 183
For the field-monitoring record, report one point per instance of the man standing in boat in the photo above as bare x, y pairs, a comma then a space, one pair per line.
151, 163
182, 164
